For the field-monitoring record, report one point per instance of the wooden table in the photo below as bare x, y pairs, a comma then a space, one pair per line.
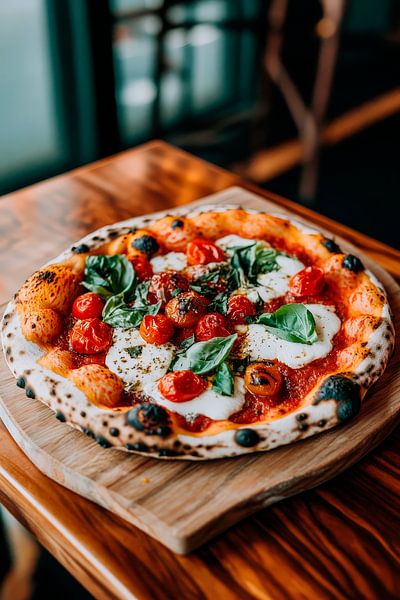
338, 541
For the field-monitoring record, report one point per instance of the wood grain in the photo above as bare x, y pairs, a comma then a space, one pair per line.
185, 505
339, 541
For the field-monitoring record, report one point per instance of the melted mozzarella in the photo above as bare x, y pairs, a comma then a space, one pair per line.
260, 344
209, 403
151, 364
173, 261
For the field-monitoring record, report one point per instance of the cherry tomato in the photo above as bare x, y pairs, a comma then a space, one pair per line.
201, 252
156, 329
163, 285
307, 282
263, 378
181, 386
87, 306
212, 325
143, 268
90, 336
240, 307
186, 309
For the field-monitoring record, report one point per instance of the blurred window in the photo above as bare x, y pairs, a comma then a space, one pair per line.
31, 135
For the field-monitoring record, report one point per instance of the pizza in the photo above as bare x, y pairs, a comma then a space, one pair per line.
204, 334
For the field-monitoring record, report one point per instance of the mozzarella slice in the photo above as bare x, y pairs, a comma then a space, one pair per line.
260, 344
151, 364
209, 403
172, 261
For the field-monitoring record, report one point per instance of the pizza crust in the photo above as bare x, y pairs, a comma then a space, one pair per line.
333, 400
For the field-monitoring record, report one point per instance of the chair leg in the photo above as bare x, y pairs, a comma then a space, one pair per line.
18, 583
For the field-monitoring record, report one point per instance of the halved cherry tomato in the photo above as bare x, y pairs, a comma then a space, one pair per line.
307, 282
240, 307
181, 386
156, 329
87, 306
143, 268
90, 336
263, 378
186, 309
201, 252
212, 325
163, 285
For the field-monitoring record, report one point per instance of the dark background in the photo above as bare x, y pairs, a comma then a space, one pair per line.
82, 79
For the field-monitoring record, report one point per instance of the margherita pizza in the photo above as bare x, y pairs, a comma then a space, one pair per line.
202, 335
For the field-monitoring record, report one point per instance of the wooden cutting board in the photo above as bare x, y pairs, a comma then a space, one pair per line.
184, 504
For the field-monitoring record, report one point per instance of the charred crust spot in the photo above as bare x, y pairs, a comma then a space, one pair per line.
138, 447
21, 382
60, 416
102, 441
112, 234
149, 418
302, 417
88, 432
105, 423
30, 393
345, 391
48, 276
168, 452
247, 437
81, 249
146, 244
303, 426
177, 224
330, 245
8, 351
321, 423
114, 431
352, 263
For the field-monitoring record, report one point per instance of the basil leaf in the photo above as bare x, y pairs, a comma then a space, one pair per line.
135, 351
250, 261
223, 382
118, 314
291, 322
203, 357
108, 275
220, 303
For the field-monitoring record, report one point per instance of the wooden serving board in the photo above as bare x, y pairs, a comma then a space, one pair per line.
184, 504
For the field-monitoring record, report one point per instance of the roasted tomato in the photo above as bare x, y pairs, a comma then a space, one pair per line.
240, 307
87, 306
307, 282
142, 243
263, 378
143, 268
181, 386
163, 286
186, 309
90, 336
156, 329
201, 252
212, 325
175, 232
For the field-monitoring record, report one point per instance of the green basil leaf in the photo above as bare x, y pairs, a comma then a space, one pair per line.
220, 303
291, 322
108, 275
249, 261
135, 351
203, 357
118, 314
223, 382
